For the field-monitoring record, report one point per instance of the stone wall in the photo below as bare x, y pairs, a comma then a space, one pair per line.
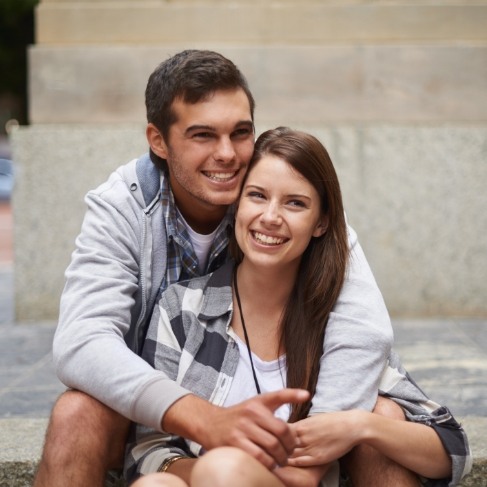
397, 92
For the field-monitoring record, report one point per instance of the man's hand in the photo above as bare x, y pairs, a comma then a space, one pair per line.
250, 425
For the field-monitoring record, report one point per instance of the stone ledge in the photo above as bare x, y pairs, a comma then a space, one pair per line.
241, 22
304, 84
22, 439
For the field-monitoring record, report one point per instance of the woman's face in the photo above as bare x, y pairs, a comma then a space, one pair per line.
278, 213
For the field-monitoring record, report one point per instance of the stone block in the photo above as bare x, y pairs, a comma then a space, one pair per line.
421, 216
415, 194
22, 439
57, 166
292, 84
257, 23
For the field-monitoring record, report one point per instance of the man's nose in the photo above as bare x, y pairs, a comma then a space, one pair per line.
225, 151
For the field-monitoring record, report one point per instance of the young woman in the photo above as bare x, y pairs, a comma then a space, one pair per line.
257, 326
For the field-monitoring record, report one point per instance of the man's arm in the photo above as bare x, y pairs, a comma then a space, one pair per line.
89, 350
358, 340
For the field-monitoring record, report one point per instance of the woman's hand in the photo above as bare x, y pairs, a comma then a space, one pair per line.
326, 437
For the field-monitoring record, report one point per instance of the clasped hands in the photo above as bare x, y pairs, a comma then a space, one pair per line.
297, 453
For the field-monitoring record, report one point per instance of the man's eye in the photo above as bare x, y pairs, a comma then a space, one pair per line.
242, 133
202, 135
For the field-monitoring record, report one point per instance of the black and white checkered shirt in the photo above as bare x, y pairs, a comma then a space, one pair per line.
190, 339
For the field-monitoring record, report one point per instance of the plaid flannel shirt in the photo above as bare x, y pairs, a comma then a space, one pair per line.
190, 339
182, 262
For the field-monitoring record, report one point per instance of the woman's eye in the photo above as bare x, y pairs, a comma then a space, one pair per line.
255, 194
298, 203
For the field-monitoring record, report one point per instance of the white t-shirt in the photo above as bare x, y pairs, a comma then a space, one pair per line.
271, 376
201, 243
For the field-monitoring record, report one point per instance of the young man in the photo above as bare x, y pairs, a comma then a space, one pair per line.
157, 220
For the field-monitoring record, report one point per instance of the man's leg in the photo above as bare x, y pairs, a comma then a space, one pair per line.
367, 467
84, 439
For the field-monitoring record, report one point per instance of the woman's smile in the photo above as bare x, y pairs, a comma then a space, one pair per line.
264, 239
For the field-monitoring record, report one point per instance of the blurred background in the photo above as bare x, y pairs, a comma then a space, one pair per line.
396, 90
16, 34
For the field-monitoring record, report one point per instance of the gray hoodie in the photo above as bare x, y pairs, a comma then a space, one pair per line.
111, 286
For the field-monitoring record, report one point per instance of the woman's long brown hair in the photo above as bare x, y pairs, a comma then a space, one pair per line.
323, 264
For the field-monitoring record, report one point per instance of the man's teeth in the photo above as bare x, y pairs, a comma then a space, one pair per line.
266, 239
220, 176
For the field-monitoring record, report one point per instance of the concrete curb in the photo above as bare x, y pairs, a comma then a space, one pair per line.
21, 443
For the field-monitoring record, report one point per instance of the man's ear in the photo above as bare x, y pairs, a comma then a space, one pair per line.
321, 227
156, 141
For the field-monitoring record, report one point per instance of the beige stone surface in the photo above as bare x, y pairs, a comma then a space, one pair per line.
433, 83
425, 225
258, 23
397, 90
22, 439
415, 194
58, 165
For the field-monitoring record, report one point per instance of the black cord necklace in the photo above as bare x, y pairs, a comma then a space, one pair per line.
237, 295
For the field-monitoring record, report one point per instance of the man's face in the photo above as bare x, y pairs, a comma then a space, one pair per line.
207, 152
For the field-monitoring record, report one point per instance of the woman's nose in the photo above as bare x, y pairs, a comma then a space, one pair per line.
271, 214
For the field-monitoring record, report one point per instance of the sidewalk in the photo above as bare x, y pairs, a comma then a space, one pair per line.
447, 357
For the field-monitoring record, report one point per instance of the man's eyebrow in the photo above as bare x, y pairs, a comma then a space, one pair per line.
248, 123
193, 128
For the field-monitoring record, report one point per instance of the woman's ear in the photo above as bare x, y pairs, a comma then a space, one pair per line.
156, 141
321, 226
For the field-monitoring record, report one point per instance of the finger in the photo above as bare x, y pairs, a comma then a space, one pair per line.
258, 453
299, 452
279, 431
270, 442
276, 399
302, 461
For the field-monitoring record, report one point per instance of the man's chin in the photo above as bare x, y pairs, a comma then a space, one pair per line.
222, 199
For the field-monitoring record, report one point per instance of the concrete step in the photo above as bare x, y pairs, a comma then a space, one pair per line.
251, 22
21, 443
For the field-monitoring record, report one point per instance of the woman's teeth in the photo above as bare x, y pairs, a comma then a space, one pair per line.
267, 240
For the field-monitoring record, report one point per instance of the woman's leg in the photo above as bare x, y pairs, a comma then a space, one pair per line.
367, 467
228, 466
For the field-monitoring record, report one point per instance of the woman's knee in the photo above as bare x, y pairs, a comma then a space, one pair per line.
221, 467
388, 408
160, 480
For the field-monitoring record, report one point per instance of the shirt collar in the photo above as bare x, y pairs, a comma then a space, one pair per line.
218, 297
174, 226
